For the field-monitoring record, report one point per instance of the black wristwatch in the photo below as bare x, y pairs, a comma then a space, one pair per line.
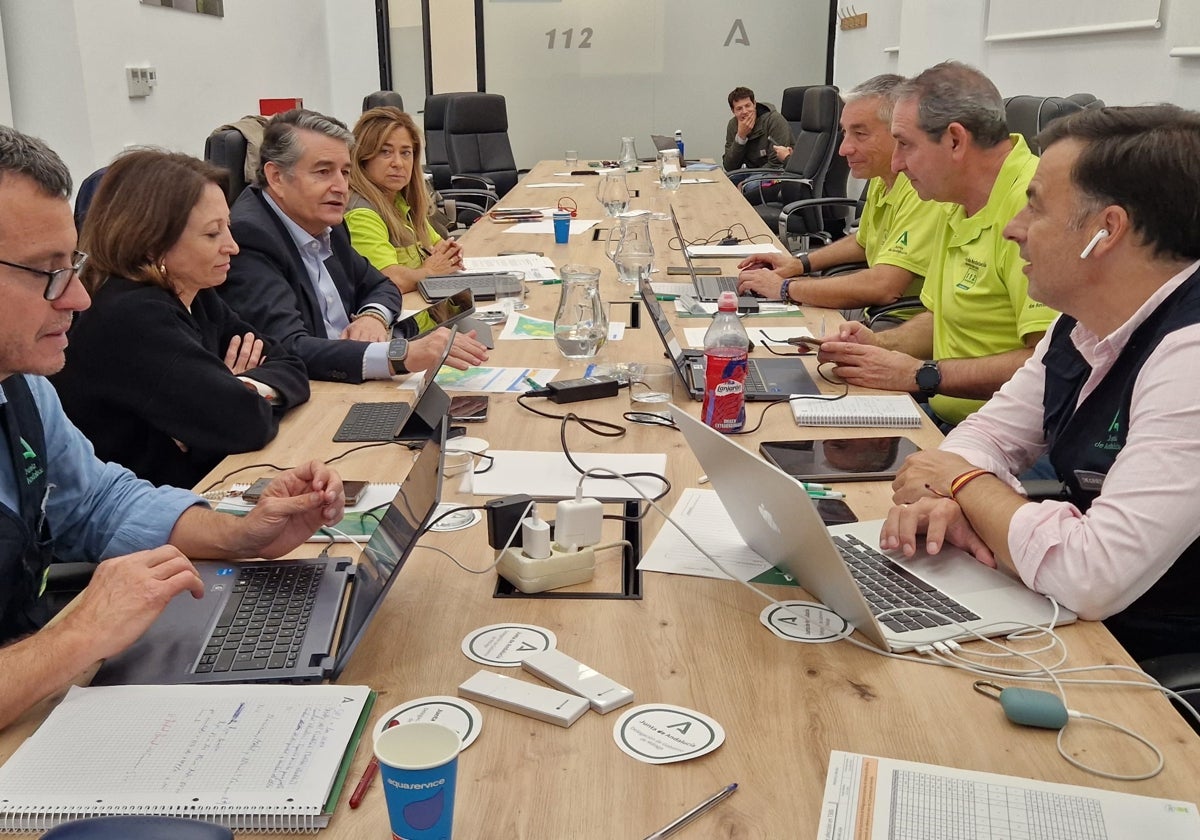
929, 379
397, 353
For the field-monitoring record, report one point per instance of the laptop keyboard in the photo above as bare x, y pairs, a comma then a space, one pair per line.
264, 621
887, 585
440, 287
376, 421
711, 287
754, 382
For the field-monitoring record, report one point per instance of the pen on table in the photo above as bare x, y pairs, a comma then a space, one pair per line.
825, 494
364, 784
532, 384
671, 828
808, 485
553, 281
656, 297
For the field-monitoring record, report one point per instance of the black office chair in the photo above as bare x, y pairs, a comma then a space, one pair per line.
138, 828
477, 144
380, 98
461, 205
227, 148
805, 171
1179, 672
1028, 115
791, 107
83, 199
1086, 101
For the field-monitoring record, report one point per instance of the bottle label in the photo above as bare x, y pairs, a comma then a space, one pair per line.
724, 406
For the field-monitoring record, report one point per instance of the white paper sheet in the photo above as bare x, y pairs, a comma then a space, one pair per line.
550, 475
703, 516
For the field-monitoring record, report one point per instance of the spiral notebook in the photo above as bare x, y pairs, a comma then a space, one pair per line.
893, 411
250, 757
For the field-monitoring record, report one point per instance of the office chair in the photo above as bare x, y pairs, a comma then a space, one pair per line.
1086, 101
1028, 115
791, 107
228, 149
83, 199
138, 828
805, 171
1179, 672
383, 97
461, 206
477, 143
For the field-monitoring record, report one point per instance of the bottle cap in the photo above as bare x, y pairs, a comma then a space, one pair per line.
727, 302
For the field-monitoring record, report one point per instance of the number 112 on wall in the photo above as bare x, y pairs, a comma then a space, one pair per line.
585, 38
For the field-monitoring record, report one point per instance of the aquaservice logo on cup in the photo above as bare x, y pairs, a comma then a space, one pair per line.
423, 814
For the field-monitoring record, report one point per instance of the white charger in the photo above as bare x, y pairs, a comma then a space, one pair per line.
577, 522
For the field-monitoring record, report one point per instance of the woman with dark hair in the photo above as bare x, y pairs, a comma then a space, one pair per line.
161, 375
388, 210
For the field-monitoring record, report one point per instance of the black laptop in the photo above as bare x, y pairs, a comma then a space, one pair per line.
282, 620
766, 379
708, 287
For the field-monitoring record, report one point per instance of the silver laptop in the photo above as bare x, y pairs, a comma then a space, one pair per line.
283, 620
774, 515
766, 379
708, 287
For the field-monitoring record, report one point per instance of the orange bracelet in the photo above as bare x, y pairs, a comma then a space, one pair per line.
963, 480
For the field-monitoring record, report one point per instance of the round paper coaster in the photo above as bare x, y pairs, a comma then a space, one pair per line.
467, 444
662, 734
803, 621
455, 521
453, 712
507, 644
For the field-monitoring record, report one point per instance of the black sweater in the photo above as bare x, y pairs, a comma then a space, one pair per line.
142, 373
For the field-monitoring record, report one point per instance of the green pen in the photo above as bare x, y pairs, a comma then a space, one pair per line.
825, 494
532, 384
809, 485
553, 281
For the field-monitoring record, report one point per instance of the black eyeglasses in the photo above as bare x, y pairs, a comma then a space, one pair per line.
58, 279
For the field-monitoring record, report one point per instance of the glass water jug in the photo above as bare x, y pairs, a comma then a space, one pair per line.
628, 158
612, 191
629, 246
580, 324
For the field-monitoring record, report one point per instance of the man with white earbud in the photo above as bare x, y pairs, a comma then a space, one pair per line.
1111, 234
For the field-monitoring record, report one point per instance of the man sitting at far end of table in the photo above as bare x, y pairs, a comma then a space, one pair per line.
754, 130
59, 501
896, 233
952, 142
1112, 236
298, 279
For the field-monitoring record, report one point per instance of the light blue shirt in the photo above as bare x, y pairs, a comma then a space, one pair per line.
314, 250
95, 509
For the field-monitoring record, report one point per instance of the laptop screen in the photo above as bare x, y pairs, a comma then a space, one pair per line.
391, 543
683, 245
663, 326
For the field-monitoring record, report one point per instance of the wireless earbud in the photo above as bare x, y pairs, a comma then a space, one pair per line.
1100, 235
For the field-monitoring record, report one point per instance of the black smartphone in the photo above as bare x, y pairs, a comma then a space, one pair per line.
835, 512
472, 409
254, 492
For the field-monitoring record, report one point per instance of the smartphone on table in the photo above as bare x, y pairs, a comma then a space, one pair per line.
469, 409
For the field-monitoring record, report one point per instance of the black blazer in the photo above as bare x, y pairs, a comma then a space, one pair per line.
143, 372
269, 287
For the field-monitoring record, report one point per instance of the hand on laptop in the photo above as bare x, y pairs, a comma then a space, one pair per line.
466, 351
295, 504
780, 263
941, 521
127, 593
760, 281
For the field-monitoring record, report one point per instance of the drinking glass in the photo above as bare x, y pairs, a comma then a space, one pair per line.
510, 286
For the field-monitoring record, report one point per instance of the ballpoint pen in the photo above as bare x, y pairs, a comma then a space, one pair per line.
672, 827
553, 281
532, 384
808, 485
364, 784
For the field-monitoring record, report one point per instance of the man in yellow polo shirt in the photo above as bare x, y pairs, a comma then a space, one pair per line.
896, 231
953, 143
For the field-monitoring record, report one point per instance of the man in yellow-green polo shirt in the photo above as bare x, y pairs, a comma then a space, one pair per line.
953, 143
896, 231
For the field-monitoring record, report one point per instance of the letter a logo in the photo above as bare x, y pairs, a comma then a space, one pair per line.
902, 239
737, 32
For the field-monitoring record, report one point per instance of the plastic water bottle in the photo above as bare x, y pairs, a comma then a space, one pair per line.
679, 144
726, 347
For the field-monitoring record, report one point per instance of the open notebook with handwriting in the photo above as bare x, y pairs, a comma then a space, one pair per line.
250, 757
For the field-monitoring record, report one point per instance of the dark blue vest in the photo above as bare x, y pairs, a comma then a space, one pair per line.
25, 541
1085, 442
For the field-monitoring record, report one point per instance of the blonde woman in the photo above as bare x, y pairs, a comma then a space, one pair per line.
388, 210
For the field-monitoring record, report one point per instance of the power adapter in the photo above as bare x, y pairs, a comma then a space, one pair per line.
561, 568
577, 522
576, 390
504, 519
731, 240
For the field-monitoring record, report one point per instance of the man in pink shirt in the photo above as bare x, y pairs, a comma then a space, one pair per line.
1111, 394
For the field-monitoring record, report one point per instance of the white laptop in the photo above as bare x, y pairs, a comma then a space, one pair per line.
774, 515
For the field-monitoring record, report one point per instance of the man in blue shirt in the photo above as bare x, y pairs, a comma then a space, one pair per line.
58, 500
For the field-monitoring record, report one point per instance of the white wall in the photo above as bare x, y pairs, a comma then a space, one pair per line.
1121, 68
66, 64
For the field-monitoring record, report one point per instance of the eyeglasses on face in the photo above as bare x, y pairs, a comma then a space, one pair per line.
58, 279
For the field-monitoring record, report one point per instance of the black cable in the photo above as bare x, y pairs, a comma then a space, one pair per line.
788, 399
562, 437
587, 422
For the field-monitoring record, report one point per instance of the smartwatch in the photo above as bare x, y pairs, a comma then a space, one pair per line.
929, 379
397, 353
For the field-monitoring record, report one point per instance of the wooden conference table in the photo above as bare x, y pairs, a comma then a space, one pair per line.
692, 642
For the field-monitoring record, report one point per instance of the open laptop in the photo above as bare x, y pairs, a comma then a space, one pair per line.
379, 422
211, 640
766, 379
707, 287
662, 143
481, 283
774, 515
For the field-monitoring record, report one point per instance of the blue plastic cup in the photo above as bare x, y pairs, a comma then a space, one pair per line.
418, 763
562, 227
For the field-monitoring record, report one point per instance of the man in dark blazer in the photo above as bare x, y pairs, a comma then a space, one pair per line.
296, 277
